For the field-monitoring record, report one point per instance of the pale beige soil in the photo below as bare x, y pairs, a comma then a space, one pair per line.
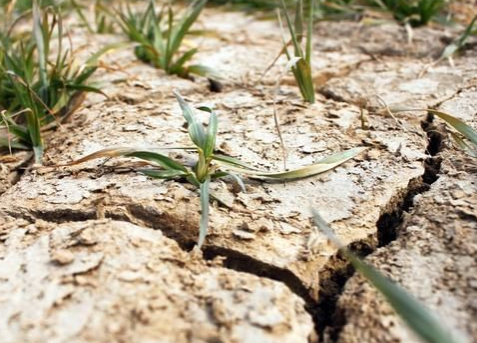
98, 253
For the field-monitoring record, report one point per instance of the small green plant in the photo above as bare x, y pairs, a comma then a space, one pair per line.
300, 59
38, 91
159, 37
209, 164
411, 311
414, 12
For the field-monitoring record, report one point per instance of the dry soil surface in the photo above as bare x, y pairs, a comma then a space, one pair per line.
99, 253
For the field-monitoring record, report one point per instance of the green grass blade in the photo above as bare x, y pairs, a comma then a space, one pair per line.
459, 43
39, 35
302, 73
462, 144
296, 44
163, 174
211, 136
196, 129
309, 35
201, 70
179, 64
322, 166
162, 160
181, 29
9, 143
299, 20
457, 124
232, 162
411, 311
205, 208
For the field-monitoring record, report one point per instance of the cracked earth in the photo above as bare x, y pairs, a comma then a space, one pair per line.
98, 253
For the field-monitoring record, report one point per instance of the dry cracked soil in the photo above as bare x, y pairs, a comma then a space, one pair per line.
99, 253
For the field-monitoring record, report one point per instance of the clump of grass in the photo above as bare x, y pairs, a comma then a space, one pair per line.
39, 92
159, 37
209, 164
414, 12
411, 311
300, 58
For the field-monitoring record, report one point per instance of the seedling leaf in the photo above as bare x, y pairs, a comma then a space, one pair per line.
321, 166
204, 206
196, 130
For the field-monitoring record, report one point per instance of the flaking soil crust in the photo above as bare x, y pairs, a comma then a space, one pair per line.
100, 253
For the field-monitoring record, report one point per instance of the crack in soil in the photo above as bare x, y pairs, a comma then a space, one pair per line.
389, 226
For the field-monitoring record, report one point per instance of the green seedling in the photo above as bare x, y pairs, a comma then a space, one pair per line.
300, 59
37, 91
414, 12
159, 37
411, 310
210, 165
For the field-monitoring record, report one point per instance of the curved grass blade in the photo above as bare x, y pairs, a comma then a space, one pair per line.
196, 130
323, 165
205, 208
163, 161
163, 174
211, 136
231, 161
179, 31
462, 144
204, 71
10, 143
411, 311
457, 124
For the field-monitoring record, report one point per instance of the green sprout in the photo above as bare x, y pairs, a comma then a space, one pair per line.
411, 311
300, 58
38, 92
159, 37
209, 164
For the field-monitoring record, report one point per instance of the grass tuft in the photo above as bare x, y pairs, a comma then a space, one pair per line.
159, 36
38, 91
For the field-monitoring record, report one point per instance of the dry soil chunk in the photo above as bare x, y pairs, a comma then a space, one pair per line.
133, 285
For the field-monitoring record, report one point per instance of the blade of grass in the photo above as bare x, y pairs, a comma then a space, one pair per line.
211, 135
457, 124
204, 206
321, 166
196, 130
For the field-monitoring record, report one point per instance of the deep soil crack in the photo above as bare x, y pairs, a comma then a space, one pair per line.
389, 225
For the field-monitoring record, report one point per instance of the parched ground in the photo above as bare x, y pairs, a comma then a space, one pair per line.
98, 253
